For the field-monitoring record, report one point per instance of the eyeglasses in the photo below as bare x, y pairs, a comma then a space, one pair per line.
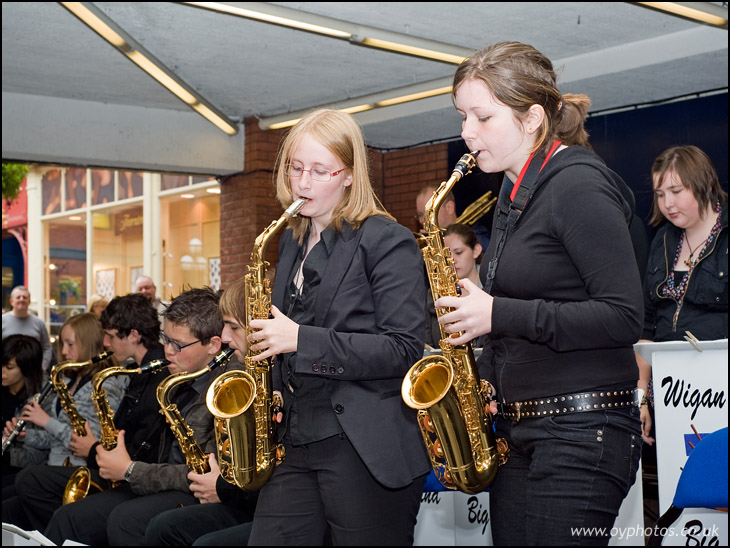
316, 173
164, 339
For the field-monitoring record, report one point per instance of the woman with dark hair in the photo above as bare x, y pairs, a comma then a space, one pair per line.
685, 288
561, 304
22, 379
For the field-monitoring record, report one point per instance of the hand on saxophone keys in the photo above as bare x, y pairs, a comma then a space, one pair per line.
470, 314
277, 335
81, 445
203, 485
114, 463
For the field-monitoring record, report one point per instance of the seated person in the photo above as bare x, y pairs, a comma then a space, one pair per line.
22, 379
225, 512
82, 339
119, 516
131, 330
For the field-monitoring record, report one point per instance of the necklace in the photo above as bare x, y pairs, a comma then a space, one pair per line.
691, 261
676, 290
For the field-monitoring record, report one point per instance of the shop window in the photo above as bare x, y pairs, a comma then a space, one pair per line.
102, 188
174, 181
191, 242
130, 184
51, 191
75, 188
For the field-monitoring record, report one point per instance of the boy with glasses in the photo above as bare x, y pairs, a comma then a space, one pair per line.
191, 332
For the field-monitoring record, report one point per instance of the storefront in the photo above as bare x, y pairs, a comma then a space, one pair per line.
94, 231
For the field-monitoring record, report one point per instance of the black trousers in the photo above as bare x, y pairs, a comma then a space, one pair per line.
39, 493
115, 517
184, 526
323, 491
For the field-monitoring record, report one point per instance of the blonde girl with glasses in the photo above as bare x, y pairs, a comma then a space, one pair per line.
347, 325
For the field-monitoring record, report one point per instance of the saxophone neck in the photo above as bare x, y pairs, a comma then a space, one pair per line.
164, 389
59, 368
263, 239
462, 168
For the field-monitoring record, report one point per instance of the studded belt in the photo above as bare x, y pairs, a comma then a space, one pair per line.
570, 403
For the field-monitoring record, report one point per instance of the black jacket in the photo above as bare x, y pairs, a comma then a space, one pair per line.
368, 330
139, 413
567, 292
704, 309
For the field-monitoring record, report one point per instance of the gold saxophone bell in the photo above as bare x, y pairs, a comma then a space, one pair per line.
450, 398
80, 485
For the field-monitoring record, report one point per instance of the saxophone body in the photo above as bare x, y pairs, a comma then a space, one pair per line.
242, 401
446, 390
64, 396
80, 484
195, 457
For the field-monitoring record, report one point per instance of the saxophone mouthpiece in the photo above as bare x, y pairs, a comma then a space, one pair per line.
154, 365
222, 357
293, 209
100, 357
475, 153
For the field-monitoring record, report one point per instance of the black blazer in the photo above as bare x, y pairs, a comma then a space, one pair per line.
368, 331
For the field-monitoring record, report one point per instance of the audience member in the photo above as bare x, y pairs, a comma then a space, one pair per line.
20, 321
147, 287
96, 304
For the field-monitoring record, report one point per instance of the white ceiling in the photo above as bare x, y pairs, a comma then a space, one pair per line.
619, 54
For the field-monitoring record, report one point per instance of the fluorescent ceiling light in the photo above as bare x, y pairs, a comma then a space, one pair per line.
415, 92
105, 27
704, 12
359, 35
269, 17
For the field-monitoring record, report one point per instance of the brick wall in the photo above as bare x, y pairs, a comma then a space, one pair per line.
248, 202
405, 172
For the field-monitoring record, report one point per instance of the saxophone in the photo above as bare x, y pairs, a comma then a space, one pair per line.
61, 388
446, 390
195, 458
242, 401
80, 484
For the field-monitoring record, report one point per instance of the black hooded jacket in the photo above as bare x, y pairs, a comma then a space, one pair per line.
567, 292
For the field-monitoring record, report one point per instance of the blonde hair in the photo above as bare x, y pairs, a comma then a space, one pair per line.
519, 76
339, 133
232, 301
89, 340
96, 301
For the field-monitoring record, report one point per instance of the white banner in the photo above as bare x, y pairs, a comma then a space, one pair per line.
690, 401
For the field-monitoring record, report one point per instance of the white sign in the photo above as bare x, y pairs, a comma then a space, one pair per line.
690, 401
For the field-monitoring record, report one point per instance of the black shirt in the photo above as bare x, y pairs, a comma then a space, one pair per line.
308, 410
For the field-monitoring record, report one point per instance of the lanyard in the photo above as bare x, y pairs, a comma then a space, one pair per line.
507, 216
556, 144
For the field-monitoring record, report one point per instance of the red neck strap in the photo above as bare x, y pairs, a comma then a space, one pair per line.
512, 195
